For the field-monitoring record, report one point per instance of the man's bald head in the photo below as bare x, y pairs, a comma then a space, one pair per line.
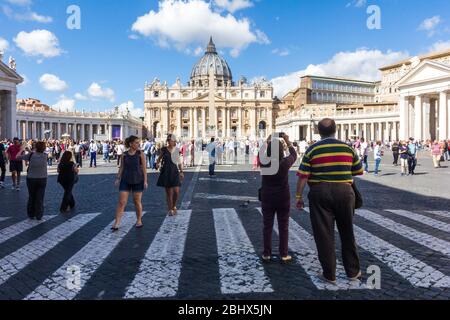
327, 128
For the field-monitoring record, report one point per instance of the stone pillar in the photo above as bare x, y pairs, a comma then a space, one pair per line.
426, 118
443, 116
372, 131
224, 122
179, 122
9, 124
195, 120
253, 127
204, 123
240, 131
342, 128
418, 122
91, 132
404, 117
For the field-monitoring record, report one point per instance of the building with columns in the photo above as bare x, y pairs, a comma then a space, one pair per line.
211, 104
35, 120
411, 100
9, 79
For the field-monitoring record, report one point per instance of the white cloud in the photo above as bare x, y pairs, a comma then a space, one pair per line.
4, 45
50, 82
281, 52
188, 24
96, 91
129, 106
362, 64
40, 43
65, 104
430, 25
440, 46
25, 80
133, 37
233, 5
80, 96
357, 3
20, 2
26, 16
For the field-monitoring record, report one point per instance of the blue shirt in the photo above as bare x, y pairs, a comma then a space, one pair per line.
412, 149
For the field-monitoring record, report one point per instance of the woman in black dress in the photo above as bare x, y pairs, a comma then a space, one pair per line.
171, 173
67, 173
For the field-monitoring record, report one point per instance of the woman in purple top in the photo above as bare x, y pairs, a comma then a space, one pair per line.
276, 196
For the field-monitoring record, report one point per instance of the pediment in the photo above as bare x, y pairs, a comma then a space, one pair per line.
9, 74
425, 72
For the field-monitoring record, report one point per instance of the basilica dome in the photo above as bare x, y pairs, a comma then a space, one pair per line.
200, 71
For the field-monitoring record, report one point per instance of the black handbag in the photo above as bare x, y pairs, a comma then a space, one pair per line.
358, 197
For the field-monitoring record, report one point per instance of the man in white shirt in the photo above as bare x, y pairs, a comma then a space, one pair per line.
364, 152
303, 145
93, 148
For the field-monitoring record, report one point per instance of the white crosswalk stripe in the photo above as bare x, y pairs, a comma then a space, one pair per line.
416, 272
412, 234
4, 218
422, 219
160, 270
16, 229
18, 260
445, 214
225, 180
224, 197
240, 267
304, 247
60, 285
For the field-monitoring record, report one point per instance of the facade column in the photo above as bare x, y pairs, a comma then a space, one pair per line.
357, 130
443, 116
191, 123
372, 131
83, 132
9, 128
42, 130
404, 118
426, 118
91, 131
195, 123
253, 123
179, 123
240, 131
224, 122
342, 132
228, 113
418, 122
204, 123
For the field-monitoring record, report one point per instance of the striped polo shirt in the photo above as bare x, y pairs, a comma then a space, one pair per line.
330, 160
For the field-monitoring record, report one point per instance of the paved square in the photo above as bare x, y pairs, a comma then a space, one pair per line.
211, 250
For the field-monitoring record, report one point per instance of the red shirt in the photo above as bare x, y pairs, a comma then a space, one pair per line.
13, 151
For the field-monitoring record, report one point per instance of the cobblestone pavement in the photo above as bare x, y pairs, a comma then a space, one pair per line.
211, 250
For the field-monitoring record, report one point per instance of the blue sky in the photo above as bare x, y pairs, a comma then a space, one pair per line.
122, 44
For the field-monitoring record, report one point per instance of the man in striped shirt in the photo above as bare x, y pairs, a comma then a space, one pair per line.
328, 167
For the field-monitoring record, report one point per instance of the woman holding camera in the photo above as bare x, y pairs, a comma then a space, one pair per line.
276, 195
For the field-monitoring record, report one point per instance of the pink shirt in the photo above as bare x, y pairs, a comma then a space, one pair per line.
436, 149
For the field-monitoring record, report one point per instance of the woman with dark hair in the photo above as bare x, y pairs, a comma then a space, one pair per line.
132, 177
171, 173
36, 179
67, 177
276, 196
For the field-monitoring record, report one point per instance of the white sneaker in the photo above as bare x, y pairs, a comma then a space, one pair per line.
13, 187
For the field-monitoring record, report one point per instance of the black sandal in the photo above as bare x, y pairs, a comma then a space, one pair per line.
115, 229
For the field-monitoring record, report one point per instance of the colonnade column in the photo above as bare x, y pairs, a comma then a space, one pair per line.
443, 116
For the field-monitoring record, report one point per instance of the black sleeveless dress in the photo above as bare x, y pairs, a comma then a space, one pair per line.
170, 175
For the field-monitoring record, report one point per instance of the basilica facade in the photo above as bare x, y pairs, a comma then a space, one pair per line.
211, 104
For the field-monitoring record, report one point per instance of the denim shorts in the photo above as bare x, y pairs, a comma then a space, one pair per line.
134, 188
